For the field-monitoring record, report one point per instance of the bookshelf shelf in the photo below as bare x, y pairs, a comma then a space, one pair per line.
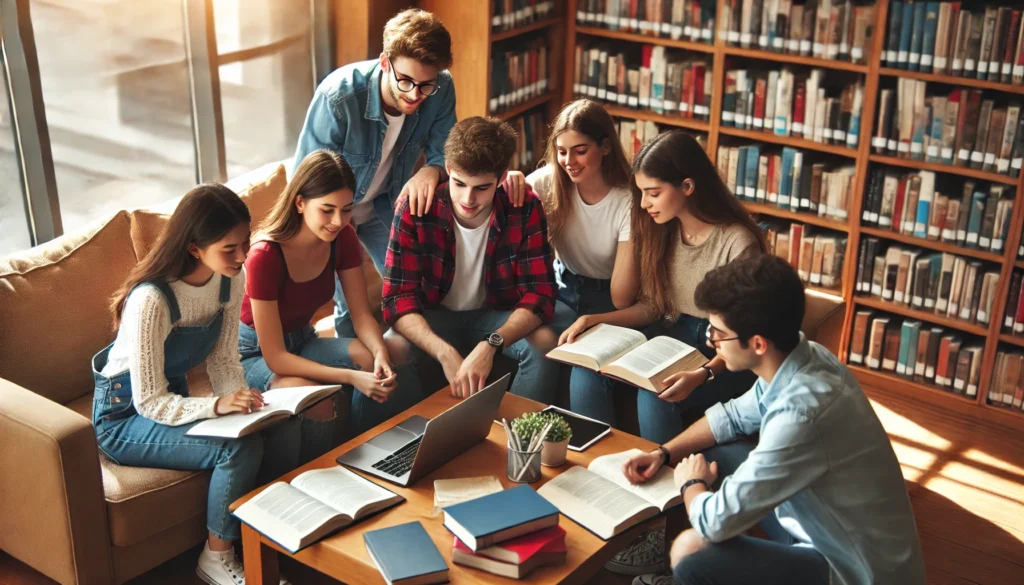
1004, 412
931, 244
792, 141
873, 303
794, 59
689, 123
1018, 264
1012, 339
825, 291
886, 379
952, 80
592, 31
773, 211
522, 30
527, 105
941, 168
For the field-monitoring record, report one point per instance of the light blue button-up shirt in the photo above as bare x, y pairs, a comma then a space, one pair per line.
824, 465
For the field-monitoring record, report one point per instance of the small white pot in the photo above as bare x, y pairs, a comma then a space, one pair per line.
553, 454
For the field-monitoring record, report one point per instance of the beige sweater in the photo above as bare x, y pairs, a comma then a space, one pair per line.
687, 265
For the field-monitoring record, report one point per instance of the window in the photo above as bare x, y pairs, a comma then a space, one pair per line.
14, 232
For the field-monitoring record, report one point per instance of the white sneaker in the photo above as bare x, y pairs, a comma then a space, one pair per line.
644, 555
654, 579
220, 568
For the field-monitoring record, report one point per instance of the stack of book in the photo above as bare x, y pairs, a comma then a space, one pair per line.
692, 20
530, 145
656, 80
828, 29
817, 258
960, 128
510, 14
787, 179
943, 284
789, 104
966, 214
634, 134
913, 350
1007, 385
518, 75
507, 533
947, 38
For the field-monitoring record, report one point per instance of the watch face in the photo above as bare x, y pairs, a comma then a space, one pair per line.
496, 339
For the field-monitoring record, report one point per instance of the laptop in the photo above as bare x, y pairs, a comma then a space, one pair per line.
417, 446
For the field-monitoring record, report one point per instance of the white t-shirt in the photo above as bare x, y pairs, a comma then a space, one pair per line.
468, 292
593, 232
363, 211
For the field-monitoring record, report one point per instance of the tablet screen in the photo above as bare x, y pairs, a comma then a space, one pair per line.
585, 431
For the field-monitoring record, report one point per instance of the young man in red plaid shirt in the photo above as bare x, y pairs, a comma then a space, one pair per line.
474, 274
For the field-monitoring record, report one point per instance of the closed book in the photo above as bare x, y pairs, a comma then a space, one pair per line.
934, 339
461, 555
917, 35
891, 346
507, 514
878, 327
921, 360
931, 23
861, 322
522, 548
405, 555
892, 43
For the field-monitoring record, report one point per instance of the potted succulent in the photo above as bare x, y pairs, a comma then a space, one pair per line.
556, 442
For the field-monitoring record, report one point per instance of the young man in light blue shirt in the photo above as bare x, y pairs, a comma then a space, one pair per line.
381, 115
822, 480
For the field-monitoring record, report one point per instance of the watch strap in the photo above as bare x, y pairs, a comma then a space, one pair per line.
693, 482
666, 457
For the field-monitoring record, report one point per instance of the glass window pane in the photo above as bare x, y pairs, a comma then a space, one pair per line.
264, 99
14, 230
116, 92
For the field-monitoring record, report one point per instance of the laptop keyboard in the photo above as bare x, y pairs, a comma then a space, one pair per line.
400, 462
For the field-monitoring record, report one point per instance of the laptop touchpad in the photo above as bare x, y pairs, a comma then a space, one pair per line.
395, 438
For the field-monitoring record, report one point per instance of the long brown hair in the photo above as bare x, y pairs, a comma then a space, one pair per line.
672, 157
591, 120
321, 173
203, 216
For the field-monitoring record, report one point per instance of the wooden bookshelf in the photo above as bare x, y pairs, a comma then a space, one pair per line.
522, 30
863, 158
527, 105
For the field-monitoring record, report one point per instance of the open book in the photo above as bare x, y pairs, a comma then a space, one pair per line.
601, 499
313, 505
627, 355
281, 403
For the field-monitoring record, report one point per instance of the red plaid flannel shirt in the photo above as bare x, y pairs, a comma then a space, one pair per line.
420, 263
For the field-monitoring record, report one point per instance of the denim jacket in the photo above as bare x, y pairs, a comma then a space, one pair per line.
824, 465
346, 116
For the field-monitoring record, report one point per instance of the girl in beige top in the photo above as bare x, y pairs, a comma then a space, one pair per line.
685, 223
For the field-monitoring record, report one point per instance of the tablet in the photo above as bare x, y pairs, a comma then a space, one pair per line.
585, 431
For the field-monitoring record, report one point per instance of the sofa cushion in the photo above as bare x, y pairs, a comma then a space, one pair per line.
55, 307
262, 192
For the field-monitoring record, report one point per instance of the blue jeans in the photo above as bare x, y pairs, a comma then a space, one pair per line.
374, 235
537, 376
745, 559
318, 436
239, 465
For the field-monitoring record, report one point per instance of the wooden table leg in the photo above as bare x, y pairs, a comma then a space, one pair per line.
260, 561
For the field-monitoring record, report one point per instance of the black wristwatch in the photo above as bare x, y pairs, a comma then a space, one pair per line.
693, 482
666, 457
495, 340
711, 374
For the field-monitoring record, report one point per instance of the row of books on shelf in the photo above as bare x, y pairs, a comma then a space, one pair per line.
940, 283
657, 80
787, 179
1007, 386
633, 134
916, 351
828, 29
510, 14
817, 257
969, 216
530, 130
793, 104
692, 20
958, 128
950, 38
519, 75
1013, 317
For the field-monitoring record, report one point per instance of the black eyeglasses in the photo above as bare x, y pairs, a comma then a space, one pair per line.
711, 337
426, 89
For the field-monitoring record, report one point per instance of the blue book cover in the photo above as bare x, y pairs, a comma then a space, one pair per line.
901, 362
906, 26
917, 36
499, 516
931, 25
751, 175
741, 172
934, 278
977, 213
913, 330
786, 183
405, 552
892, 44
933, 153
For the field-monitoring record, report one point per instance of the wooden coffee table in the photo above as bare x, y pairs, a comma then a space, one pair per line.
343, 555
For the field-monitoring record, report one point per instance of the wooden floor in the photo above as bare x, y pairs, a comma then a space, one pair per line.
966, 482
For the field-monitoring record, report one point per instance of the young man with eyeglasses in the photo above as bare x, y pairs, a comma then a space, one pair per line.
822, 481
381, 115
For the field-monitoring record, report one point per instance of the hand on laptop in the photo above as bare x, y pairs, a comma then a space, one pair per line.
376, 389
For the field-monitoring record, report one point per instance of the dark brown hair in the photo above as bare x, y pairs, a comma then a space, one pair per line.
321, 173
419, 35
477, 146
203, 216
590, 119
672, 157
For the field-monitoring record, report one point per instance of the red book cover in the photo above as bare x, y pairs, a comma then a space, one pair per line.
799, 104
1012, 34
645, 56
796, 232
687, 92
698, 84
943, 359
897, 206
760, 89
521, 549
1020, 309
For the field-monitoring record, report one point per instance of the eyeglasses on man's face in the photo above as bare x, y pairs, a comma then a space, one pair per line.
714, 336
405, 85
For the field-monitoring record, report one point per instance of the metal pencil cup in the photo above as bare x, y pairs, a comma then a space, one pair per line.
523, 466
